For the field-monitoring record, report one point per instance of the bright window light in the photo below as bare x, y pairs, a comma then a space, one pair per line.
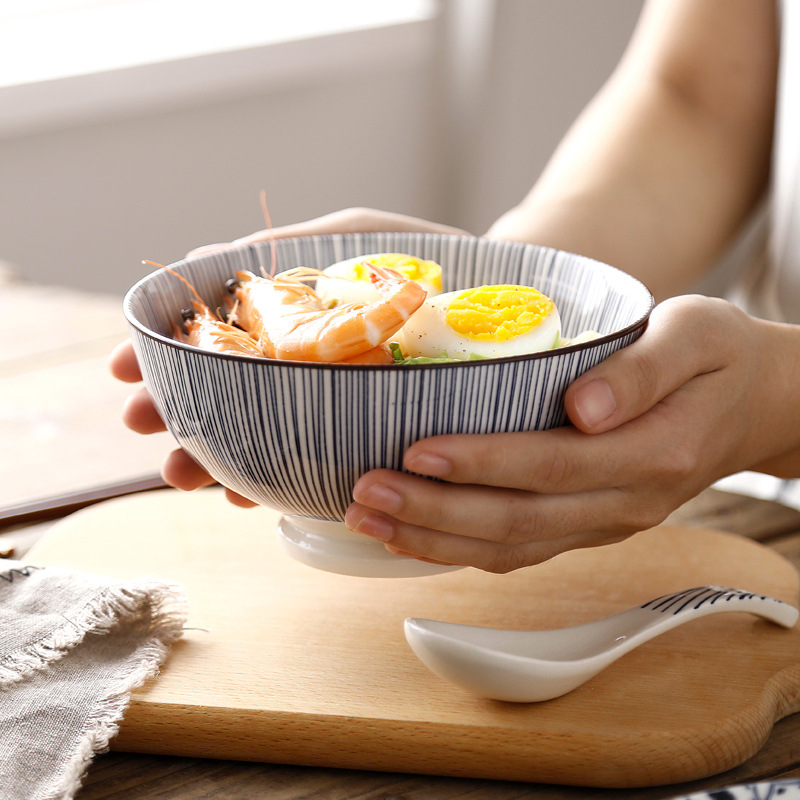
43, 40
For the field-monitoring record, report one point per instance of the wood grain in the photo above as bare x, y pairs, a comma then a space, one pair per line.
304, 667
57, 447
60, 420
762, 520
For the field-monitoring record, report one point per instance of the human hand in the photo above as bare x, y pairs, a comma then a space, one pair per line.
703, 393
348, 220
139, 412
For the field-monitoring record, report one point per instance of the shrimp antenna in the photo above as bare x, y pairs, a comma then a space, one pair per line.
180, 278
274, 257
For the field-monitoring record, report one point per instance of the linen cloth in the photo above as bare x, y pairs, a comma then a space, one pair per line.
768, 258
72, 648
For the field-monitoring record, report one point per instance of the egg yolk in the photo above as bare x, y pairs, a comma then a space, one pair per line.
415, 269
497, 313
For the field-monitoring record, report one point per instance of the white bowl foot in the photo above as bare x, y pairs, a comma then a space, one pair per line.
330, 546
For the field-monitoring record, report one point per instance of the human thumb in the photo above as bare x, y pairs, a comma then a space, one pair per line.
630, 382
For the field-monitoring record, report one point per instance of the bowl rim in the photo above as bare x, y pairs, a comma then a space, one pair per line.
641, 322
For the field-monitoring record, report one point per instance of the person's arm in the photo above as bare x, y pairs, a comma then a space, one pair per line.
654, 178
668, 160
705, 392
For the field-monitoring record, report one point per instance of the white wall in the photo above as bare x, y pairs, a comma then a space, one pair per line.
548, 59
83, 203
85, 200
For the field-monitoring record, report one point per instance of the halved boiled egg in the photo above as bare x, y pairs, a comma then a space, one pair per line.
349, 281
488, 321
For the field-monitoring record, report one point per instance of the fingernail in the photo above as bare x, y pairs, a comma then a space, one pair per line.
378, 496
429, 464
369, 524
595, 402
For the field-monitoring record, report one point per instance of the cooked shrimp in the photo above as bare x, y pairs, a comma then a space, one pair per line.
289, 321
206, 330
378, 355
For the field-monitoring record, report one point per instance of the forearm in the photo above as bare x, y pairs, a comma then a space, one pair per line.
657, 174
776, 418
652, 196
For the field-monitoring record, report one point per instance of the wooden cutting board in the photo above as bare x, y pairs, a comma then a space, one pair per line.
305, 667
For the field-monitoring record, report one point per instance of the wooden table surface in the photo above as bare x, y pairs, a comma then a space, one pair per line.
61, 434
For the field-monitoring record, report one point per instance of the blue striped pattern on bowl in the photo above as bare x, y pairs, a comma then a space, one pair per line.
296, 436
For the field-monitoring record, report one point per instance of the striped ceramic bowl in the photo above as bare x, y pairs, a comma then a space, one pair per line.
296, 436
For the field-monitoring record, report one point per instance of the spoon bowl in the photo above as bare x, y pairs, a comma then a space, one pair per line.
530, 666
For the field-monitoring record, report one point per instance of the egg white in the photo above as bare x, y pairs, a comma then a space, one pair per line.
337, 283
427, 333
581, 338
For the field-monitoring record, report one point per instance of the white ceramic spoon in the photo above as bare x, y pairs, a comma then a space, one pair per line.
528, 666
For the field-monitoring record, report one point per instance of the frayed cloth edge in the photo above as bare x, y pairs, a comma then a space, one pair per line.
163, 606
111, 607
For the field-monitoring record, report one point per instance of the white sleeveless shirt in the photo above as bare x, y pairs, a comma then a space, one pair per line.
772, 289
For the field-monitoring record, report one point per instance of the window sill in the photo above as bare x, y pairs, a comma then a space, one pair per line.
35, 106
